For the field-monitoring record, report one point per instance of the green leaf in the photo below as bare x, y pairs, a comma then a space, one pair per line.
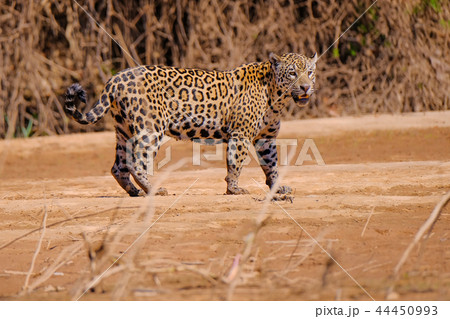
444, 23
336, 52
435, 5
26, 132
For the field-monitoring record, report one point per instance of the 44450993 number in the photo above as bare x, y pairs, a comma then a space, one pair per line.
408, 310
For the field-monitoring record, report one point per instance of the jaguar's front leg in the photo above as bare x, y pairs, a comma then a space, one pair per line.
237, 151
268, 156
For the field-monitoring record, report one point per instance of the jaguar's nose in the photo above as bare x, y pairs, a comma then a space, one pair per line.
305, 88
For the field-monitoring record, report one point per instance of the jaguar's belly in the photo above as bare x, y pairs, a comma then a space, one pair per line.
195, 129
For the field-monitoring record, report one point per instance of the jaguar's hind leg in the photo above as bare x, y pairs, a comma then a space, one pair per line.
144, 151
121, 172
122, 176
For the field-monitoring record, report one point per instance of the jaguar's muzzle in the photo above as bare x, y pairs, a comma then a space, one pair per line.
300, 99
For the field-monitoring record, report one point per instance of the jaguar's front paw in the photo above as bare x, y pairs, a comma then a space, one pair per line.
136, 193
284, 190
237, 191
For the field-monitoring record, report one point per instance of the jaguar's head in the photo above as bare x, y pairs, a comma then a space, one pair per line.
295, 75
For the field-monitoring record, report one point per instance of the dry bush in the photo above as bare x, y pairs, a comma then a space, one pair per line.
394, 59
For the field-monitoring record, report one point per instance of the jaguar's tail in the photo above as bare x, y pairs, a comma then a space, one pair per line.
76, 93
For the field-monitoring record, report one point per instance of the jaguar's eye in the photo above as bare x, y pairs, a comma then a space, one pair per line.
310, 73
292, 73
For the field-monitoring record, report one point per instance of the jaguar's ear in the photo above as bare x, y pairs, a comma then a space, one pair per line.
274, 59
314, 58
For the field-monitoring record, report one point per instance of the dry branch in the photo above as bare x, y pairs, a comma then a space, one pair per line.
367, 222
427, 226
58, 223
62, 259
107, 262
38, 249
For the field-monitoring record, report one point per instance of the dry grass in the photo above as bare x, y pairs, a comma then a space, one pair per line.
427, 226
36, 252
394, 59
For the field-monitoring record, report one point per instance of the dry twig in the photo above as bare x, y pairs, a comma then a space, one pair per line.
36, 252
427, 226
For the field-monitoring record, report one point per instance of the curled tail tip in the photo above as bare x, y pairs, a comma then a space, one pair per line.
76, 90
76, 93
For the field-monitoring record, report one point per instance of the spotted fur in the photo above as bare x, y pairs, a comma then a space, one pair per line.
240, 107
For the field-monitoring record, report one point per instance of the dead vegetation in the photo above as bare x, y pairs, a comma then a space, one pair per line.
119, 270
394, 59
426, 227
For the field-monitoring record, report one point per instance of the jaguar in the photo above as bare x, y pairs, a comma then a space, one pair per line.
241, 107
